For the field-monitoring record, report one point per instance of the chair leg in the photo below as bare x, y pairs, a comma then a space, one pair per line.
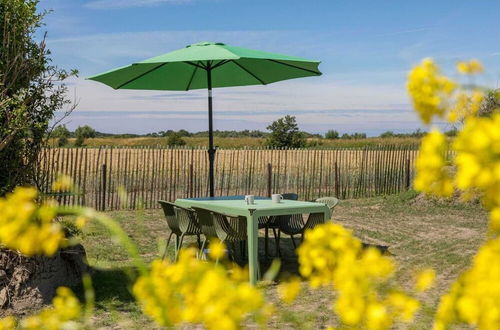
166, 247
266, 238
179, 248
277, 239
242, 250
177, 242
201, 253
199, 241
293, 242
230, 253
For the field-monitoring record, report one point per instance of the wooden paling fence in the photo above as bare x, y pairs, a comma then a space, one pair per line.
127, 178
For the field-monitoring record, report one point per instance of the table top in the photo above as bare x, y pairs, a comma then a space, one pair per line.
262, 206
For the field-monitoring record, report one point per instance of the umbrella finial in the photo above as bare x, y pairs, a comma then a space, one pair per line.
206, 43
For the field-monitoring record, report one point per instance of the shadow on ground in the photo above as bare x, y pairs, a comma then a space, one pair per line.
111, 285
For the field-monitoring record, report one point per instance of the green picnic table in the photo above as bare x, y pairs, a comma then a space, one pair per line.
236, 205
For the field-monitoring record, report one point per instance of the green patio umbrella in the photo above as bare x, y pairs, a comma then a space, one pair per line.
208, 65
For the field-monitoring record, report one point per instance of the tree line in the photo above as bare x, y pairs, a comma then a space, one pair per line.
283, 132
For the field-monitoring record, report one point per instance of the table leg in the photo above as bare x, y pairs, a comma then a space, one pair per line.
252, 233
327, 214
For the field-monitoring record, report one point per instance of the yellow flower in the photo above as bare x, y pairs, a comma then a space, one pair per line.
477, 149
475, 298
288, 291
425, 279
429, 90
471, 67
331, 256
432, 176
65, 313
495, 219
199, 292
80, 222
8, 323
402, 305
29, 227
217, 249
63, 183
466, 104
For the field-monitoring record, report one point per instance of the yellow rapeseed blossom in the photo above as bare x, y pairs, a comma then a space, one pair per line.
432, 176
217, 250
8, 323
475, 298
495, 219
471, 67
194, 291
288, 290
331, 256
425, 280
65, 313
478, 158
429, 90
466, 104
27, 226
64, 183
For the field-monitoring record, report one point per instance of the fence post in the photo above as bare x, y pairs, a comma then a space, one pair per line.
337, 192
407, 173
103, 191
191, 174
269, 179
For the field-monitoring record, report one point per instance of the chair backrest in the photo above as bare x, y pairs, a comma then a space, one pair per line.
172, 222
313, 220
188, 222
290, 196
331, 202
290, 224
229, 228
205, 222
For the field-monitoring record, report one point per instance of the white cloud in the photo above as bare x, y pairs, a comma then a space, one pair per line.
118, 4
301, 94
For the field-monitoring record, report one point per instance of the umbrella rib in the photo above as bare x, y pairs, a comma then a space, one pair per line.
221, 63
250, 73
141, 75
191, 79
294, 66
196, 65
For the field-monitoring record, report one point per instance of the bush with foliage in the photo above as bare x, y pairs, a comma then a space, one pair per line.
61, 133
30, 92
285, 133
175, 139
332, 135
82, 133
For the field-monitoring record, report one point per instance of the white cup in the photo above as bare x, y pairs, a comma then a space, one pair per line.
276, 198
249, 199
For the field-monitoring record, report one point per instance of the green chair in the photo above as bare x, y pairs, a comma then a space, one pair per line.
226, 228
271, 223
173, 224
294, 225
331, 202
188, 224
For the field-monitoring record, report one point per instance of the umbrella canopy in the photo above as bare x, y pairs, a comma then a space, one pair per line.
208, 65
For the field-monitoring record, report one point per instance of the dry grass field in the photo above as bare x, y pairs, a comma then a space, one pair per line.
238, 142
419, 233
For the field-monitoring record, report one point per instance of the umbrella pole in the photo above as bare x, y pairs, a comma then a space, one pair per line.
211, 149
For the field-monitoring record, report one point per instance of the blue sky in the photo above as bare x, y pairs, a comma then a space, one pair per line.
366, 49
